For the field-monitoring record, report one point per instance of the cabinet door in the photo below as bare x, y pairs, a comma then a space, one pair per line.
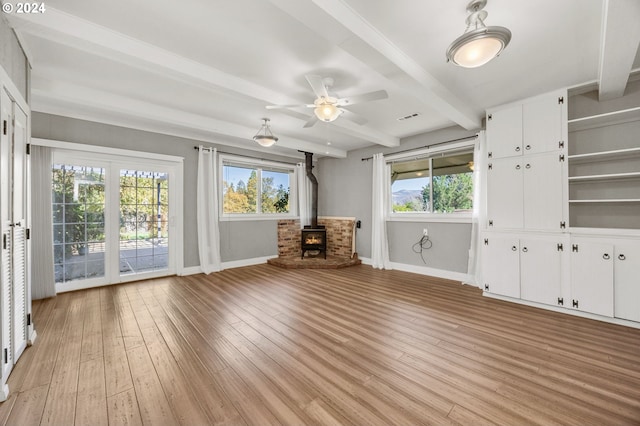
504, 132
542, 124
626, 274
501, 265
540, 272
592, 277
504, 193
542, 186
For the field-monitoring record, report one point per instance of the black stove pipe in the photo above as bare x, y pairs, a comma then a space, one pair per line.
314, 189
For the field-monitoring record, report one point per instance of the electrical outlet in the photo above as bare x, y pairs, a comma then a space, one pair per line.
425, 232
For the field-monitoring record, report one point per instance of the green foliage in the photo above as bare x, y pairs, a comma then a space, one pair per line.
243, 198
451, 192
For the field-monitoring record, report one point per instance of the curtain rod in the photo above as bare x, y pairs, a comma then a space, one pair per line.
427, 146
206, 148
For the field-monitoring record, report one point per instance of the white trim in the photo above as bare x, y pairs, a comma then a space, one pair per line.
562, 310
606, 232
105, 150
246, 262
428, 151
432, 272
191, 270
4, 392
430, 217
366, 260
255, 216
14, 92
336, 218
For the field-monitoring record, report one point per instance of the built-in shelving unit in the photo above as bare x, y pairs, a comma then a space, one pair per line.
604, 165
604, 119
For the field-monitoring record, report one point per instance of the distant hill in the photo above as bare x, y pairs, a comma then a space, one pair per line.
401, 197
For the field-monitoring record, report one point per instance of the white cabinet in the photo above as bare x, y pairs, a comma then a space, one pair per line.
626, 279
15, 303
532, 126
501, 264
541, 269
526, 192
592, 276
523, 266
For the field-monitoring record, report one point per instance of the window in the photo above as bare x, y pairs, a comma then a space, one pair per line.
435, 184
256, 189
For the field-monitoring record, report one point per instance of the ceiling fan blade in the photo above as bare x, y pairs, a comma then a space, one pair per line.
312, 120
365, 97
315, 81
352, 116
289, 106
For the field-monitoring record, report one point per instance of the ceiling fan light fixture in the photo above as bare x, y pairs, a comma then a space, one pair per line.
476, 47
265, 137
326, 110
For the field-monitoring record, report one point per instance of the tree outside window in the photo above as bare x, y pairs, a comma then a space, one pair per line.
248, 190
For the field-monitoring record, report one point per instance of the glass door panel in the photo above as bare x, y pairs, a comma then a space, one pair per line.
78, 222
144, 215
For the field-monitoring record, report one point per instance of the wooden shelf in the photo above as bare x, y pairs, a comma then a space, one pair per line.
611, 176
617, 154
606, 119
613, 200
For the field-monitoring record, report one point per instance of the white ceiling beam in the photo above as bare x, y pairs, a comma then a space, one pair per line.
86, 36
433, 92
619, 46
130, 112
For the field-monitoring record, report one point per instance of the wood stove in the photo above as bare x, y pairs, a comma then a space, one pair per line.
314, 239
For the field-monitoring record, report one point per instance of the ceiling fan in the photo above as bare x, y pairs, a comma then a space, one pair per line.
327, 108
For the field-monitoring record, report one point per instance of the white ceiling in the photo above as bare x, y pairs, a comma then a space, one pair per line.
206, 69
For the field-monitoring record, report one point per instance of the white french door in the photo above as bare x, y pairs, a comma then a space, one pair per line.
113, 218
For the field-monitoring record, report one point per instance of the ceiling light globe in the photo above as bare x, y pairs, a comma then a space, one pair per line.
327, 112
475, 48
265, 141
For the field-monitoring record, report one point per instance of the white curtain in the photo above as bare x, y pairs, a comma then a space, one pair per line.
207, 211
474, 269
43, 283
304, 195
381, 189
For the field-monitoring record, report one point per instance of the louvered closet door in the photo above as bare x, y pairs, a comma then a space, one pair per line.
19, 252
6, 352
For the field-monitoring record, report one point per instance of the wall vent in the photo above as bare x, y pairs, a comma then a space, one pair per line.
407, 117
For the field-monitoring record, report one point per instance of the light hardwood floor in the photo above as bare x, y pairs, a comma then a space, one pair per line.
261, 345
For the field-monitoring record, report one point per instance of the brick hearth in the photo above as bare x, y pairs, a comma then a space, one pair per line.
340, 253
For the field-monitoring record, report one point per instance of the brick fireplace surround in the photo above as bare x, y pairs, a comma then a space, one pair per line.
340, 248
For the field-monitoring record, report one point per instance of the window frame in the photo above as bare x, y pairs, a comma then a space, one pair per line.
259, 165
429, 153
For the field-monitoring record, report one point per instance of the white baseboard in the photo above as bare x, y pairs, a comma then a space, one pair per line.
563, 310
424, 270
192, 270
432, 272
4, 392
246, 262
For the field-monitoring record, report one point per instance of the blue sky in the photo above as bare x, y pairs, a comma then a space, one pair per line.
410, 184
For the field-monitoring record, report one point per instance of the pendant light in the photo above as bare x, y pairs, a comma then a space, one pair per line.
265, 138
479, 44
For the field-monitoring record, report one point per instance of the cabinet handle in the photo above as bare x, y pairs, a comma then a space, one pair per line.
514, 248
606, 256
518, 167
528, 166
621, 257
524, 249
517, 149
528, 147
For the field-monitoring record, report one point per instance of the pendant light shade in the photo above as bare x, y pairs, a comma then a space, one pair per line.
265, 137
326, 109
481, 44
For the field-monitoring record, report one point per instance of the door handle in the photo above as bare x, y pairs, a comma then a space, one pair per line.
606, 256
621, 256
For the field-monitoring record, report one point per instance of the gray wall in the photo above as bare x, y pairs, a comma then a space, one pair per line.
239, 239
13, 59
345, 189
